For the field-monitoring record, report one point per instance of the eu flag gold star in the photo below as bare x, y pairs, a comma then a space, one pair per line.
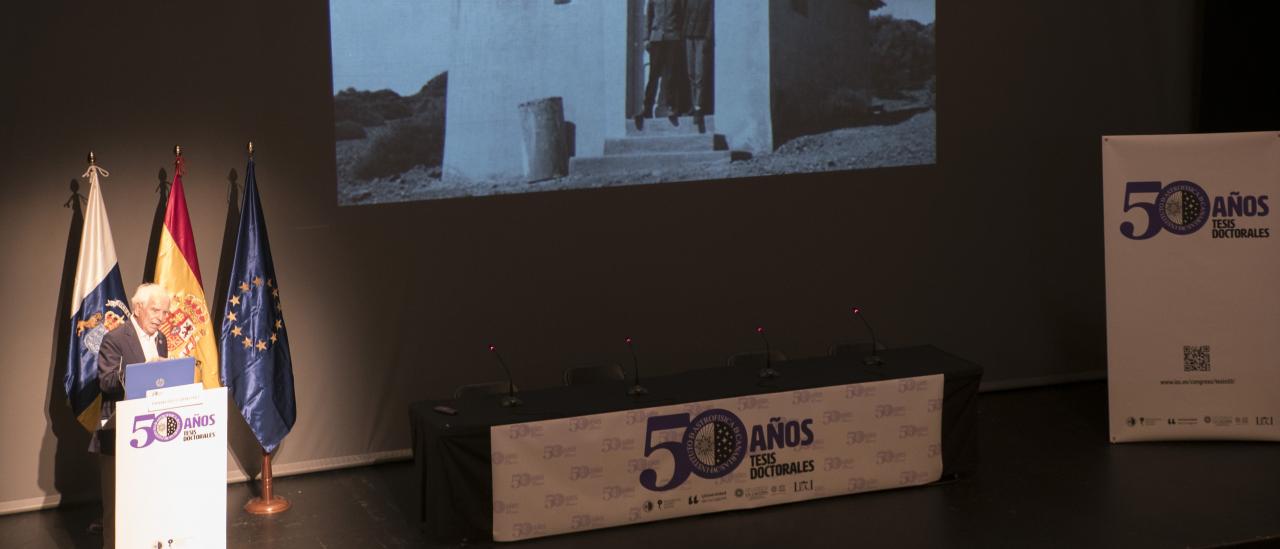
279, 323
257, 281
235, 300
273, 338
235, 331
262, 345
247, 342
231, 317
244, 286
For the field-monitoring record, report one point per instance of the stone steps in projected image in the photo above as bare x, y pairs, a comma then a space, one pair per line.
644, 163
661, 126
658, 147
664, 144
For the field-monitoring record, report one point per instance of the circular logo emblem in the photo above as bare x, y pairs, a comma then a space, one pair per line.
1183, 206
1130, 422
167, 426
715, 443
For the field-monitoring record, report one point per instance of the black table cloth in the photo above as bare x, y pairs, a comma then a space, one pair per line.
453, 488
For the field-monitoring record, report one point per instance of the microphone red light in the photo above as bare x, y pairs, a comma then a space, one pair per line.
493, 348
857, 311
759, 329
627, 341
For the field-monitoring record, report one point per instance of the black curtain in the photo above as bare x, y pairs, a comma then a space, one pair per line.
1238, 65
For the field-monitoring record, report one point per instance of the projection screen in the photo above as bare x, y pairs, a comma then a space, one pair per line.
453, 98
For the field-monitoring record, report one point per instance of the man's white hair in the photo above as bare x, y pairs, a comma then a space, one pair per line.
146, 292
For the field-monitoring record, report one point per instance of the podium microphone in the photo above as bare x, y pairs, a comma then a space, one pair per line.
874, 358
511, 399
767, 372
636, 389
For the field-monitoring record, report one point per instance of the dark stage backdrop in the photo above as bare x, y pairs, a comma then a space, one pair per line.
994, 253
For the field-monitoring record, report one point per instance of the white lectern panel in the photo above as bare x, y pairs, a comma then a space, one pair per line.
171, 469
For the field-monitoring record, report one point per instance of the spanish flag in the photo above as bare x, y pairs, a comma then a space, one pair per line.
189, 329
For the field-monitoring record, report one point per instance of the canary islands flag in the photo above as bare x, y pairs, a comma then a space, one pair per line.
98, 304
256, 366
188, 329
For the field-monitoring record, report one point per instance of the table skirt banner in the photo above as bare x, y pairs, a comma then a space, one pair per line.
1192, 263
597, 471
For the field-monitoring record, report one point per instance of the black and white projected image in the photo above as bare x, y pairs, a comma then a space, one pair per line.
454, 98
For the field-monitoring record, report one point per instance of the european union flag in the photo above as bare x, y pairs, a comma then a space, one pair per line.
256, 367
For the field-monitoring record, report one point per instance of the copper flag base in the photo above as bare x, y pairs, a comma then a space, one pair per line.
269, 503
259, 506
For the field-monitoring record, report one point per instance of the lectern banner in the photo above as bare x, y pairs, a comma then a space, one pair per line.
171, 469
597, 471
1192, 268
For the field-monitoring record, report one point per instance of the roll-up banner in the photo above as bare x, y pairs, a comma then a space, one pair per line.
1193, 271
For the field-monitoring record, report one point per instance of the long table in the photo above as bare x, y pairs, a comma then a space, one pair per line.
452, 453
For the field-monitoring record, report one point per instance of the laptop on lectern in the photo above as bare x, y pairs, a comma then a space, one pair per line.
143, 377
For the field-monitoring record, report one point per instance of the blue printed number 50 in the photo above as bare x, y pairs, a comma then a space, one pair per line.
1153, 217
649, 477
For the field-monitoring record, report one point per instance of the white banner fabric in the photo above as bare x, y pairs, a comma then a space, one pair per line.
581, 473
171, 469
1192, 263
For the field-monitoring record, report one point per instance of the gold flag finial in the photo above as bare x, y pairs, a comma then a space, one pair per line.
251, 149
93, 160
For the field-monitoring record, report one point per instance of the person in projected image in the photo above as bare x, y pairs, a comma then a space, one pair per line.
138, 340
699, 25
664, 39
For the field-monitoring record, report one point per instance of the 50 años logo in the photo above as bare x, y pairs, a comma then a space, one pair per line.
166, 426
1183, 207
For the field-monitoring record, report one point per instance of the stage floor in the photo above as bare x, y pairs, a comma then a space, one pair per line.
1048, 477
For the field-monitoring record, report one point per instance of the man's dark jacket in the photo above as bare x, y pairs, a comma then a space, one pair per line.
120, 348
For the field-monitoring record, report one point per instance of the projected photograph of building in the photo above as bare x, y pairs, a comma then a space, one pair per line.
449, 98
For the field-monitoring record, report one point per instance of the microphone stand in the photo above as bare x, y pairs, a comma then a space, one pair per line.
637, 389
767, 372
874, 358
511, 399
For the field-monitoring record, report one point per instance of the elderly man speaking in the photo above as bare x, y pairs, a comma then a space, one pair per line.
139, 340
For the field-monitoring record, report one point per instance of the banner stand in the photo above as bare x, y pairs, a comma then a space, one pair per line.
1192, 263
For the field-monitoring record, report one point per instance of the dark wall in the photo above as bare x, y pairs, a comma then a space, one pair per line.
994, 254
1238, 84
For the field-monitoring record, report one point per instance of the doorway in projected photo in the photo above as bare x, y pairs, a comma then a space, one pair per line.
453, 98
692, 67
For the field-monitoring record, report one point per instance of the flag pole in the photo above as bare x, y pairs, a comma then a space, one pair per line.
269, 503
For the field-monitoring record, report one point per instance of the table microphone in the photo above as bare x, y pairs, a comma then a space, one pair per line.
636, 389
511, 399
768, 371
874, 358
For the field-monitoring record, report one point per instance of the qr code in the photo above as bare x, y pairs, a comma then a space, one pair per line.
1195, 358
